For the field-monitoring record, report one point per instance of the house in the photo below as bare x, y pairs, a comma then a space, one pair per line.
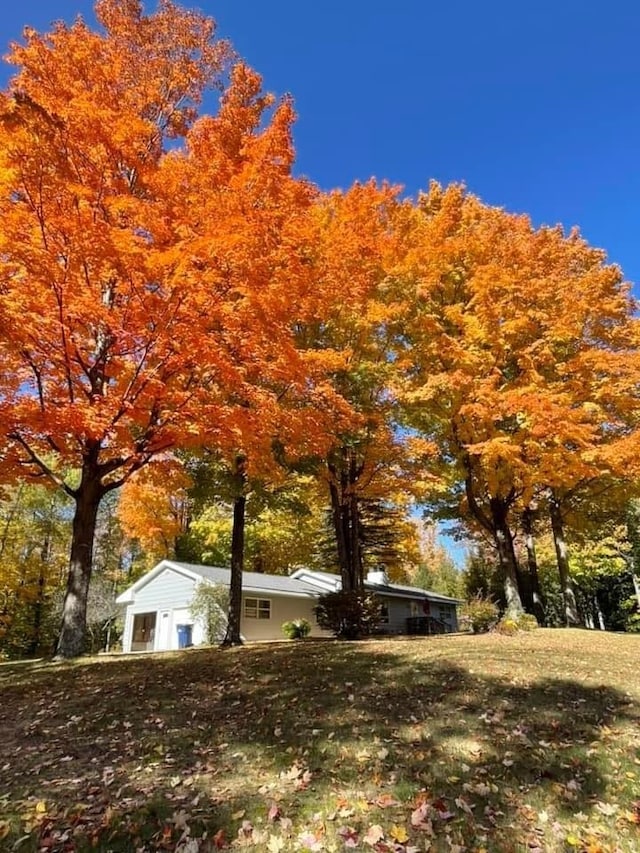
158, 618
405, 609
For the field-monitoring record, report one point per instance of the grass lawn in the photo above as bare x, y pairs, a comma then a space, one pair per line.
489, 743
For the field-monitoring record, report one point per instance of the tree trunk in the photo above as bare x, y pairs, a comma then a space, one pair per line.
568, 595
532, 563
232, 636
345, 517
355, 550
636, 587
71, 641
508, 563
340, 529
38, 609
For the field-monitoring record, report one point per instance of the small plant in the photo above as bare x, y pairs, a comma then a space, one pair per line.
507, 626
482, 613
510, 626
527, 622
296, 629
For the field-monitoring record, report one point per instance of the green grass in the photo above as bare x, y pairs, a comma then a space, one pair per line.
526, 743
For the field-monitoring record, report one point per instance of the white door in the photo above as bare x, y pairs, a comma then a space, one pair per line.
164, 634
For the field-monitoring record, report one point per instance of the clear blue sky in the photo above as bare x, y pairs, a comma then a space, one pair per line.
534, 105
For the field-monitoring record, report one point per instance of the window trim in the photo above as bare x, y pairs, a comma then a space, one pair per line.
260, 610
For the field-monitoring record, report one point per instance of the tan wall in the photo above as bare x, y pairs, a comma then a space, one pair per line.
282, 610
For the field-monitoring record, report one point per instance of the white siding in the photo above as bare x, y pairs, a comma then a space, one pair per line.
166, 591
128, 630
283, 609
171, 592
399, 611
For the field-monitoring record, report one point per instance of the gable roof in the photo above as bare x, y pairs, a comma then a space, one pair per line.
251, 581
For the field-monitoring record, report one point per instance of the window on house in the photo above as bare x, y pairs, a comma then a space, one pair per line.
257, 608
384, 613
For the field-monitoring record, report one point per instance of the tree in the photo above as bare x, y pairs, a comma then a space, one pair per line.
139, 297
436, 569
358, 238
34, 536
209, 605
154, 508
521, 361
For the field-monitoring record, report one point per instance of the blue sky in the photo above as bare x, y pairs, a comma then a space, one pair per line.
533, 105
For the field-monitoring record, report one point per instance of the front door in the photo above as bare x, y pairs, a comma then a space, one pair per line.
164, 637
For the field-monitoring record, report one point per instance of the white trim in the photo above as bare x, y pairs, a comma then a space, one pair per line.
310, 577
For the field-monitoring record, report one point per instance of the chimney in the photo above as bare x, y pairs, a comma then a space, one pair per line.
378, 578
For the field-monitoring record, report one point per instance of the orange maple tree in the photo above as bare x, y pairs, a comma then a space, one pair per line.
144, 286
521, 361
358, 239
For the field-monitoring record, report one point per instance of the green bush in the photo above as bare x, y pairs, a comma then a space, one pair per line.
527, 622
296, 629
481, 612
210, 605
347, 614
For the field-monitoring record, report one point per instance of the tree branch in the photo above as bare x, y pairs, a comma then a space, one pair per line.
34, 459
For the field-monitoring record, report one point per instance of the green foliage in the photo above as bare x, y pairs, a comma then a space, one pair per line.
209, 605
296, 629
436, 570
347, 614
481, 576
34, 540
481, 612
527, 622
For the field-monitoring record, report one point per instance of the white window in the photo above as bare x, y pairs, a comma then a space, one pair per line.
257, 608
384, 612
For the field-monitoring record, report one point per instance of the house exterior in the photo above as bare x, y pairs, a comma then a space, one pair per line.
406, 609
158, 618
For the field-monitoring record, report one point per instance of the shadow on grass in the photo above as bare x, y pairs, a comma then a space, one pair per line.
124, 754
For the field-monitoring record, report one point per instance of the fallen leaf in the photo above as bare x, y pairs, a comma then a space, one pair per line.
374, 834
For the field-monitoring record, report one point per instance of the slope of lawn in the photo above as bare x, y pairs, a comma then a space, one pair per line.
464, 743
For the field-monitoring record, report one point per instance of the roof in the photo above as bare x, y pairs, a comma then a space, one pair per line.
305, 583
251, 581
396, 590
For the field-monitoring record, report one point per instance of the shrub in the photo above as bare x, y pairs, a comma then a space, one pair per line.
527, 622
482, 613
210, 605
507, 626
296, 629
347, 614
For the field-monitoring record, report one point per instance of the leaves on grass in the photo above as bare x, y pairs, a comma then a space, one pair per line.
274, 760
